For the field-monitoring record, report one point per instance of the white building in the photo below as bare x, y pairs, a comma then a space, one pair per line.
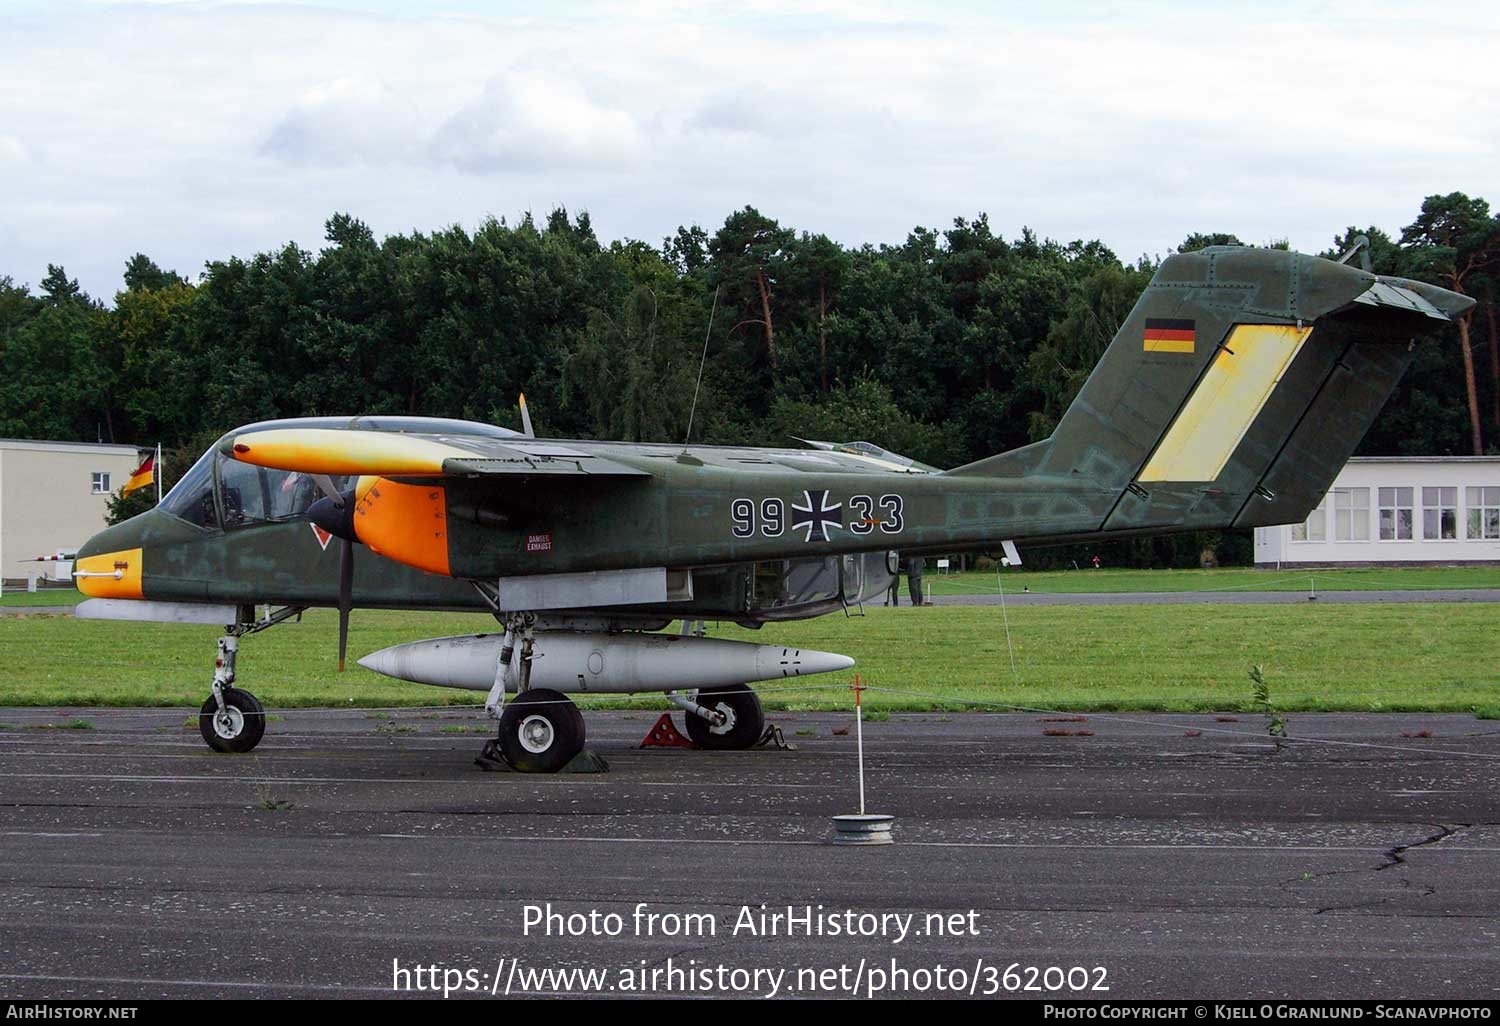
1396, 509
52, 499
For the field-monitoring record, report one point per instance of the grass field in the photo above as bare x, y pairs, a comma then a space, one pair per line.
1418, 657
1226, 579
41, 597
1107, 580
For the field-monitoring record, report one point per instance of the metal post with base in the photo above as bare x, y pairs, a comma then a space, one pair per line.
863, 827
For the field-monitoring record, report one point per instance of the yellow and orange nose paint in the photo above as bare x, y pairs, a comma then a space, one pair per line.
110, 574
336, 452
404, 522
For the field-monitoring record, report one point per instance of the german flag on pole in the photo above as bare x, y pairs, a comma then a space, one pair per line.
142, 476
1170, 335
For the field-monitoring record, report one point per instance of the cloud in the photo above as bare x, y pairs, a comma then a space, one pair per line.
517, 122
732, 114
533, 123
13, 150
344, 120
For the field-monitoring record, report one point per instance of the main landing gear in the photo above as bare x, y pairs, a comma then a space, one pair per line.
735, 718
232, 719
540, 730
720, 718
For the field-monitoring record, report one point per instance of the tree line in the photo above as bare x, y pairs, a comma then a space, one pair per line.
951, 345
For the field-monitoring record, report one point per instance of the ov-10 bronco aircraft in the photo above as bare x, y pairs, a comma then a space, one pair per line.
1236, 389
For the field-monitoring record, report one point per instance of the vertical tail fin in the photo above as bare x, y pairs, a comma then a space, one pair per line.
1239, 385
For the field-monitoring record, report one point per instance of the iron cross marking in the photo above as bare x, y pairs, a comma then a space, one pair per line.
817, 516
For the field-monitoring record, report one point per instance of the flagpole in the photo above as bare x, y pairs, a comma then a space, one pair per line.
158, 473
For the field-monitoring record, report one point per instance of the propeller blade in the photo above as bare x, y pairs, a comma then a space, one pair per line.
346, 597
526, 428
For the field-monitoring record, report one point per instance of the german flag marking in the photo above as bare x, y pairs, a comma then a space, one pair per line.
1170, 335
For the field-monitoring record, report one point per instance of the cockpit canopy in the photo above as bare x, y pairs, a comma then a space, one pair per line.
219, 492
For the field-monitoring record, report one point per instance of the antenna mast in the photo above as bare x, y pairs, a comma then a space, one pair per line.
701, 361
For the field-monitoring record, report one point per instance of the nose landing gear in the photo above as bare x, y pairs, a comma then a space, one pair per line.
232, 720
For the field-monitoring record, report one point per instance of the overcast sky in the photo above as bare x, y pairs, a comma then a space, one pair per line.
192, 130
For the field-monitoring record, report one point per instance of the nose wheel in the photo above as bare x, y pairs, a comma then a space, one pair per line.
233, 720
237, 727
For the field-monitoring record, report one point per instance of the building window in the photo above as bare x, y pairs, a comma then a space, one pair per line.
1351, 514
1484, 513
1315, 527
1395, 514
101, 482
1439, 514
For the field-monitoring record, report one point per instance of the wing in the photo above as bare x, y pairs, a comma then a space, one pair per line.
352, 452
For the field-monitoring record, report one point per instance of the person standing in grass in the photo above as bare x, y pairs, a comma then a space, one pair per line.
912, 568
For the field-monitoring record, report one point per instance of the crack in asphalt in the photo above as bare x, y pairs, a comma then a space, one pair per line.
1393, 857
1397, 855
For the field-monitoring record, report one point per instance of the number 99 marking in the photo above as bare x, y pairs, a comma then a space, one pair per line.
742, 517
772, 517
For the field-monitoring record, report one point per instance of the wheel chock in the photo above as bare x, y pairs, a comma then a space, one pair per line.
586, 761
774, 739
490, 760
664, 734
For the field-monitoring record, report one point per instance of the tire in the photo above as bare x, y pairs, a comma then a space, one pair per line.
541, 730
244, 724
746, 721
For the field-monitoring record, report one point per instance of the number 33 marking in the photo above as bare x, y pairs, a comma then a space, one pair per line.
864, 519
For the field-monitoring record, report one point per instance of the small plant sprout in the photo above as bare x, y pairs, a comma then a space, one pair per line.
1261, 695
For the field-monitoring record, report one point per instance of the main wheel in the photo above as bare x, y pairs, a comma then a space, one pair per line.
744, 719
238, 728
540, 731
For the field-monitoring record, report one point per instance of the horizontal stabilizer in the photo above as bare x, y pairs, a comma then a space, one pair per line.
1416, 297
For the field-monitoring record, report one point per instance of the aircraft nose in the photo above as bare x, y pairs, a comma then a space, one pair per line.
115, 538
109, 564
335, 516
